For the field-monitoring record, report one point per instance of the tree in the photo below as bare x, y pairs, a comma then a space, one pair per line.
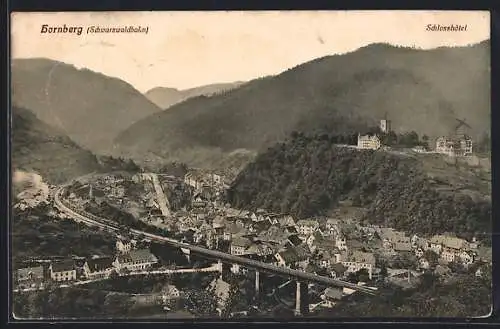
283, 313
203, 301
484, 144
363, 275
113, 275
425, 141
431, 257
232, 301
116, 304
352, 277
383, 272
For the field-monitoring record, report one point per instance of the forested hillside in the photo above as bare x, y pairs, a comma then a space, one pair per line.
91, 108
39, 147
166, 97
467, 297
420, 90
309, 175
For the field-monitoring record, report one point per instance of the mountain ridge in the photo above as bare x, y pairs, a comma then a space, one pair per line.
165, 97
90, 107
421, 90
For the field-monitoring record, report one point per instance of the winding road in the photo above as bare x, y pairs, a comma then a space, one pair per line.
160, 196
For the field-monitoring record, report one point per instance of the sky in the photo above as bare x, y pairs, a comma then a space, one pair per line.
189, 49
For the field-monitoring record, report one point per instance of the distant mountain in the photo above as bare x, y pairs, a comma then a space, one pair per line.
166, 97
91, 108
38, 147
421, 90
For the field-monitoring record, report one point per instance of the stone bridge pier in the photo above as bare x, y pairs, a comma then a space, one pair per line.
301, 298
257, 283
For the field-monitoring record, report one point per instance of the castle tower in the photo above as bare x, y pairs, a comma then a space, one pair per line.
385, 126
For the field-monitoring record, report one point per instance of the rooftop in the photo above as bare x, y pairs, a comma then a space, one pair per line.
449, 241
402, 246
333, 293
338, 268
363, 257
140, 255
241, 242
67, 265
100, 264
307, 222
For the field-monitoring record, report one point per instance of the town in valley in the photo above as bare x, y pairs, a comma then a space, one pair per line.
245, 165
189, 206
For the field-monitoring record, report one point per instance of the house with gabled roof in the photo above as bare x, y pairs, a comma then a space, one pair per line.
402, 246
124, 245
326, 258
306, 227
98, 267
467, 257
337, 270
63, 271
450, 248
274, 234
30, 277
170, 292
286, 220
239, 246
135, 260
333, 226
293, 257
357, 260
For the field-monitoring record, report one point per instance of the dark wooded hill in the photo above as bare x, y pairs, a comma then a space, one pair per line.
165, 97
38, 147
420, 193
91, 108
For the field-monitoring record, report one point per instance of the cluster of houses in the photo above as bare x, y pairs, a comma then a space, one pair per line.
454, 145
312, 244
128, 259
316, 244
203, 180
448, 248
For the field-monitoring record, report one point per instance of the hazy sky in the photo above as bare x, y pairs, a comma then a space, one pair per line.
188, 49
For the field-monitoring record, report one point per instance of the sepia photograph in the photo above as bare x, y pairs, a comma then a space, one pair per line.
259, 165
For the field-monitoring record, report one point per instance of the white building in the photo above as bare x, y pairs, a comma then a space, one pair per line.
239, 246
369, 142
124, 246
451, 249
63, 271
359, 260
340, 242
307, 227
461, 146
135, 260
170, 292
